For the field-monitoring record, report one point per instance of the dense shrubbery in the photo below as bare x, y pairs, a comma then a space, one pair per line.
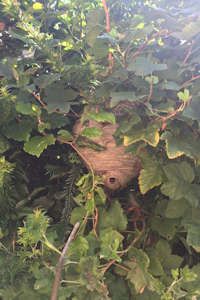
59, 62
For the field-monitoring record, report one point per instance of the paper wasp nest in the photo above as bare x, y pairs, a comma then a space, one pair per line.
116, 166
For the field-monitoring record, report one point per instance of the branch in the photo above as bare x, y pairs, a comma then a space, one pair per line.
186, 83
56, 283
189, 52
110, 56
38, 98
142, 47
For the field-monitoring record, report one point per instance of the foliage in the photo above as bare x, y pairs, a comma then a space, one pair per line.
59, 62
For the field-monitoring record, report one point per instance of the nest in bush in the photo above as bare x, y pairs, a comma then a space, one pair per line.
116, 166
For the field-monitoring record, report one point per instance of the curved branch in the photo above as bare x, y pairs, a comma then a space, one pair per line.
56, 283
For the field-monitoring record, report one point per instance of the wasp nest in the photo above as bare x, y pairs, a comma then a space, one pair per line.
114, 164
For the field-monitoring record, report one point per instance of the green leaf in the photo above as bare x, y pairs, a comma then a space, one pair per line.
138, 274
192, 111
181, 189
152, 79
19, 130
78, 248
167, 228
149, 135
4, 144
117, 287
113, 217
37, 6
91, 132
100, 196
65, 134
110, 243
182, 144
179, 185
117, 97
150, 176
28, 109
171, 85
164, 253
179, 171
37, 144
77, 215
102, 117
193, 236
176, 208
89, 274
35, 227
58, 97
184, 96
143, 66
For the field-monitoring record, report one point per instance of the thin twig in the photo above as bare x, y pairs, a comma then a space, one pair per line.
108, 28
163, 32
95, 221
150, 91
56, 283
189, 52
37, 97
186, 83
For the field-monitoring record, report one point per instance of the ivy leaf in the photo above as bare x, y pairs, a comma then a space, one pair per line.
182, 144
143, 66
179, 185
149, 135
37, 144
102, 117
181, 189
110, 243
179, 171
150, 176
91, 132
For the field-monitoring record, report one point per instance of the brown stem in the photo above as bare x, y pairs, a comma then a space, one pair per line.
163, 32
189, 52
110, 56
37, 97
56, 283
186, 83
